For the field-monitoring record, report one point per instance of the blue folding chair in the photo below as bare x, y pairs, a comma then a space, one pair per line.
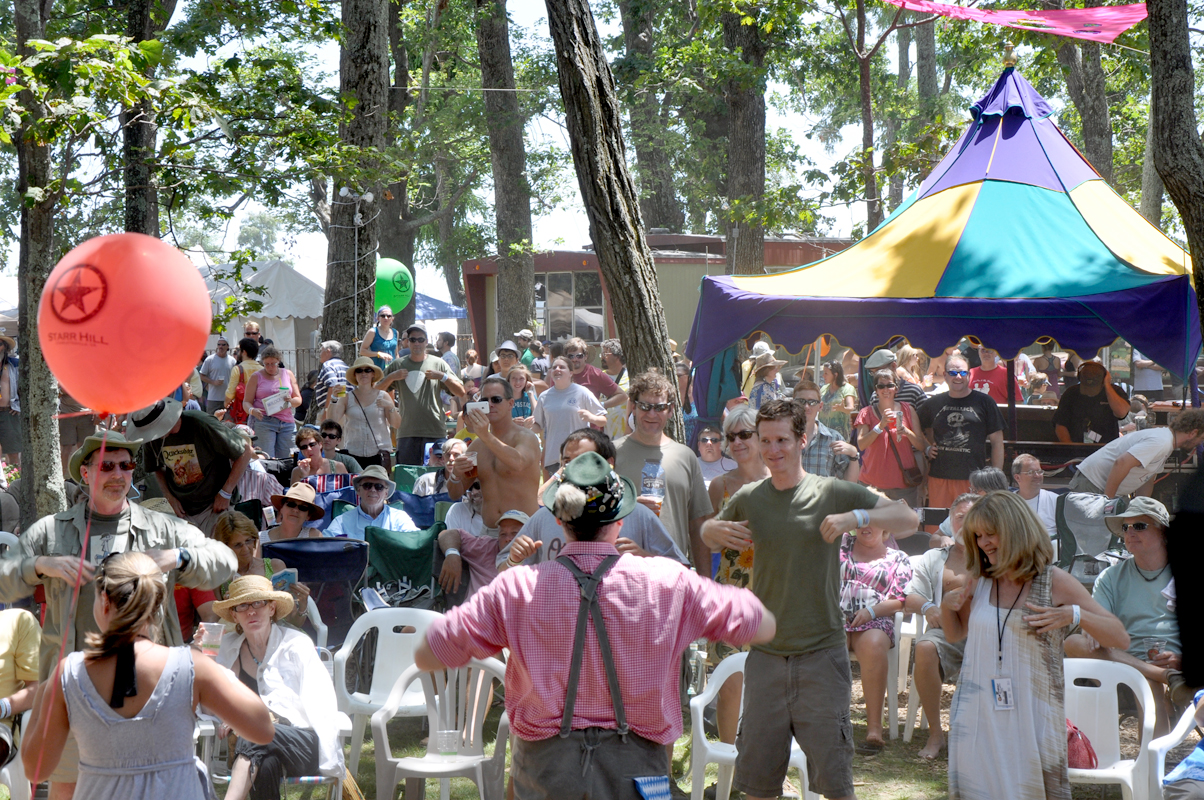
330, 568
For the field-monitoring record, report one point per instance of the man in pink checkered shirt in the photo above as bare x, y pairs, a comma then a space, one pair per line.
593, 704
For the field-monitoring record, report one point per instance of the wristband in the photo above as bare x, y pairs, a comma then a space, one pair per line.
453, 479
224, 493
510, 562
925, 608
6, 708
877, 428
1078, 615
451, 551
861, 516
873, 613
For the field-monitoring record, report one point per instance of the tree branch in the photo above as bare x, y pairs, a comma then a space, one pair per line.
407, 226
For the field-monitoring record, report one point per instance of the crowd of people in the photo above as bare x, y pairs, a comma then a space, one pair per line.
776, 529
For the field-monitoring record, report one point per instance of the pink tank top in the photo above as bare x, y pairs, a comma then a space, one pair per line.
267, 385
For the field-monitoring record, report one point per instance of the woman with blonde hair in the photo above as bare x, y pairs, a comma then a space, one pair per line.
524, 396
129, 701
1008, 720
909, 370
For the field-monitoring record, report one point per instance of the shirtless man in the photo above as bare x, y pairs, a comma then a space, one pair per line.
508, 457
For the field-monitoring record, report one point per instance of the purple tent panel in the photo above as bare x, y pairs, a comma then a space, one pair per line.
1159, 319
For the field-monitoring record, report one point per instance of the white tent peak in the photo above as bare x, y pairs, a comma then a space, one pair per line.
289, 293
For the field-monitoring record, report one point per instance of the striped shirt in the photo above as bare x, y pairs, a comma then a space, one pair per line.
653, 607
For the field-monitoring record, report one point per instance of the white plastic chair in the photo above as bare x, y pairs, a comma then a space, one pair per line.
13, 776
703, 751
1095, 711
315, 618
1157, 750
456, 700
394, 653
914, 709
892, 678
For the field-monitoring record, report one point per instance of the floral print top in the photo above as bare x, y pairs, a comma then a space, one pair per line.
867, 583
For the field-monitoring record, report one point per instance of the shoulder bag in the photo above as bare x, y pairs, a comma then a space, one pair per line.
235, 412
912, 476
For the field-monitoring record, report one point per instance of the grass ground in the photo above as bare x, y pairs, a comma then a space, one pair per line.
897, 773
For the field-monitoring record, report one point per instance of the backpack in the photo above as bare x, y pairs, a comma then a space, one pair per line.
1079, 752
235, 412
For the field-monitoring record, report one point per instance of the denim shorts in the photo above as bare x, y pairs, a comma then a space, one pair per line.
806, 696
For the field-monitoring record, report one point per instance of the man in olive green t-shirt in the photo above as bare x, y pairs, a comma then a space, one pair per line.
799, 682
419, 378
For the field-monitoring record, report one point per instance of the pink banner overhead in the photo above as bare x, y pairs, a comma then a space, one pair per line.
1101, 24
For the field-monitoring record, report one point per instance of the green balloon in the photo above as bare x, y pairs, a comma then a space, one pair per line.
394, 284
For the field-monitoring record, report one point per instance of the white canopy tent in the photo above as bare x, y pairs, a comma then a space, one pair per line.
292, 305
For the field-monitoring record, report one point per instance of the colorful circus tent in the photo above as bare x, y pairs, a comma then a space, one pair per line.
1014, 236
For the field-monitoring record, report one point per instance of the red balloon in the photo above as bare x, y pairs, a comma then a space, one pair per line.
123, 320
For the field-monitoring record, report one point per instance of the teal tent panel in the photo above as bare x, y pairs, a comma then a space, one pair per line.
1028, 242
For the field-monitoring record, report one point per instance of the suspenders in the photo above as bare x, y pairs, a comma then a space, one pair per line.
590, 606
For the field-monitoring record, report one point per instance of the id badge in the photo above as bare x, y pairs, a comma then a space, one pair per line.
1005, 700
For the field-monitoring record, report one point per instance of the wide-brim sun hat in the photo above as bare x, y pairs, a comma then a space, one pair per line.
154, 421
766, 360
300, 492
248, 589
376, 472
1139, 507
361, 363
112, 440
509, 345
608, 496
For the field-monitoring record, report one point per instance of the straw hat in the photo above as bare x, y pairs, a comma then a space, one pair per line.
248, 589
360, 363
303, 493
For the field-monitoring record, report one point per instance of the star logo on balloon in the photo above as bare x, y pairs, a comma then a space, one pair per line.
401, 281
79, 294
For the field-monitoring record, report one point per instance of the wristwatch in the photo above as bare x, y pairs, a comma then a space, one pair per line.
183, 559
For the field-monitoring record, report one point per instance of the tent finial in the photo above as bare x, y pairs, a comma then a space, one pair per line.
1009, 54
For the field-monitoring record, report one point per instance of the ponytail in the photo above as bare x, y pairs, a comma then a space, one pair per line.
134, 585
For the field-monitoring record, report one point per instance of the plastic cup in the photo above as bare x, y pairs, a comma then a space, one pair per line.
209, 637
446, 742
1153, 646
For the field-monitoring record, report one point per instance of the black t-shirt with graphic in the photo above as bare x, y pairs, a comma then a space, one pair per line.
1078, 412
196, 460
960, 427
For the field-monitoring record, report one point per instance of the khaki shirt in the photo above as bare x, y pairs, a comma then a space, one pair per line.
63, 535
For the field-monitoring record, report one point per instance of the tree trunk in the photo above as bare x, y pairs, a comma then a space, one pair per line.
893, 124
594, 121
1085, 80
873, 203
927, 84
508, 154
41, 467
139, 130
659, 203
1178, 151
745, 92
1151, 184
355, 219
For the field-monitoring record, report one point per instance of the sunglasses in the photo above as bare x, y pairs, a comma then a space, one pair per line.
743, 436
367, 370
372, 486
709, 440
295, 504
309, 445
808, 403
575, 356
334, 437
241, 607
109, 466
886, 386
496, 399
957, 373
386, 316
416, 341
1125, 527
659, 408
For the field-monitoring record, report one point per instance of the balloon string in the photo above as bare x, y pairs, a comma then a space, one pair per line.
70, 414
68, 622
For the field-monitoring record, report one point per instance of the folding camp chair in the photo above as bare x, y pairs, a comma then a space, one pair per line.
330, 568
